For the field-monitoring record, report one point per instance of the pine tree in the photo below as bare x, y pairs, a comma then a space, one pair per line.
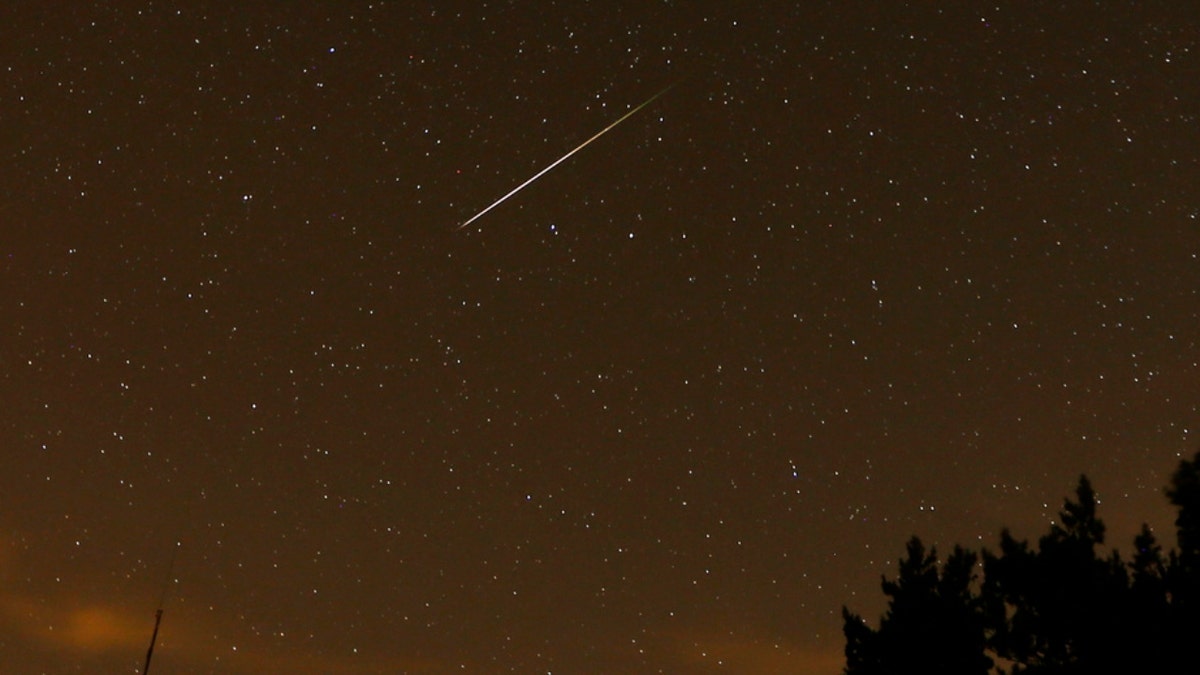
1062, 608
934, 622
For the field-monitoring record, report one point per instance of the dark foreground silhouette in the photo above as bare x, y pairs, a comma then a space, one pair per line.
1059, 608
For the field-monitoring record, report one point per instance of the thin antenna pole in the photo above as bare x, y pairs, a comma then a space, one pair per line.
153, 638
159, 613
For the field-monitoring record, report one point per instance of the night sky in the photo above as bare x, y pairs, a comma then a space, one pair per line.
865, 271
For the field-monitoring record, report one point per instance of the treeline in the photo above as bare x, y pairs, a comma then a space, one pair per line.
1062, 607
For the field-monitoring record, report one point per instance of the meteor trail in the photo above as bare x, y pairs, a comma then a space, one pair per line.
564, 158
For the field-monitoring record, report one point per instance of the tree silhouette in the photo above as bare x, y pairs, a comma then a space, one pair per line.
1064, 607
933, 624
1184, 494
1048, 608
1183, 569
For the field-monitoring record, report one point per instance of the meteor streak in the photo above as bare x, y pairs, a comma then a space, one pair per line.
564, 158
